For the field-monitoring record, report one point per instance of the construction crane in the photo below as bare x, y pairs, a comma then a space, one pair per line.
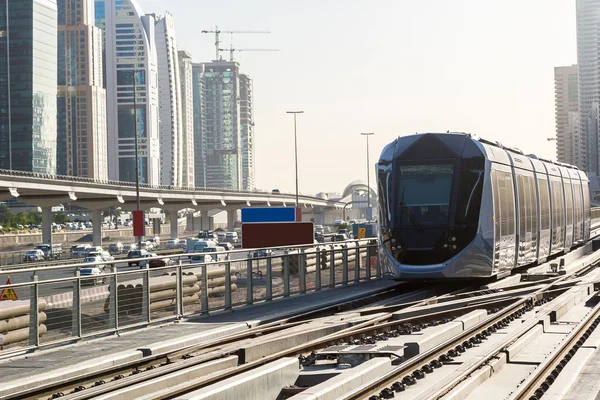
231, 50
217, 32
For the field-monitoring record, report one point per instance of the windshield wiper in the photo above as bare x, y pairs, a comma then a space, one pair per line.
411, 217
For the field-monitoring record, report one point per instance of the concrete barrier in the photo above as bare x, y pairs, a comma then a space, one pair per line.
14, 320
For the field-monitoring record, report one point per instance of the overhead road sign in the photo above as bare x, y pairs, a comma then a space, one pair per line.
266, 235
271, 214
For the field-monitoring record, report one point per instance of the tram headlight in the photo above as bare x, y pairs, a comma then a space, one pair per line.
453, 239
453, 247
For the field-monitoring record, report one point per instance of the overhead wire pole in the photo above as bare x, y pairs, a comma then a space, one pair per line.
368, 212
296, 149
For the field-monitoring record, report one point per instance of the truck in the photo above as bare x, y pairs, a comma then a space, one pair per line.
53, 251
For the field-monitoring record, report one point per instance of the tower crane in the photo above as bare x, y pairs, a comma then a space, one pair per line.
217, 32
231, 50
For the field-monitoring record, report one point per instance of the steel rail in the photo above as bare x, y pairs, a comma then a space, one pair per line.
487, 325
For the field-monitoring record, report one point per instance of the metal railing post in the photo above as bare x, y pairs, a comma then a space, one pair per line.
76, 315
357, 264
378, 267
318, 269
146, 295
227, 283
286, 273
34, 333
179, 294
269, 293
332, 267
204, 297
113, 312
302, 270
344, 264
368, 262
249, 288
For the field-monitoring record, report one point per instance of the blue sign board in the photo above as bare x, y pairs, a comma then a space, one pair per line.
268, 214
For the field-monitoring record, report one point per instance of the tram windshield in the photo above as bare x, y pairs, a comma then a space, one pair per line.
423, 196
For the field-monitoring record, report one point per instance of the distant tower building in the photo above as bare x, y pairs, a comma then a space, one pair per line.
187, 118
247, 132
218, 85
199, 106
588, 48
568, 143
169, 107
28, 85
81, 99
100, 22
131, 65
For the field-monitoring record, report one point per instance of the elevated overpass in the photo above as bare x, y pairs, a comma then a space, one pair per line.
46, 191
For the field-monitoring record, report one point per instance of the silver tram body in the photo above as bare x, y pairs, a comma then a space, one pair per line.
453, 206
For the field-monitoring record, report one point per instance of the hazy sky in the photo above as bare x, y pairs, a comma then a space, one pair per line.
393, 67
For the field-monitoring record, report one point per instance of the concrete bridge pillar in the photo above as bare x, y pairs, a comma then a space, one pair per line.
97, 227
205, 221
47, 224
231, 215
174, 222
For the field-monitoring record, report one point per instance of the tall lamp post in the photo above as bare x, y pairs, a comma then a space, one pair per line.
369, 216
296, 149
137, 156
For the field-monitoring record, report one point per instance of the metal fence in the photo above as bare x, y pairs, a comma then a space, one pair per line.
73, 306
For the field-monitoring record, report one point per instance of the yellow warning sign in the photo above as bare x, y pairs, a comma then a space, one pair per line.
8, 293
362, 233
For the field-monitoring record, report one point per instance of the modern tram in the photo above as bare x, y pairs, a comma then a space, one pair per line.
455, 206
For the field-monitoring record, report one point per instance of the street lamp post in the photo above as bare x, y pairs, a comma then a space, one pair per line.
137, 155
296, 149
369, 216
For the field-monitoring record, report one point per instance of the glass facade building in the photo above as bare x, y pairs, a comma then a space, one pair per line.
132, 92
28, 64
81, 99
198, 104
219, 111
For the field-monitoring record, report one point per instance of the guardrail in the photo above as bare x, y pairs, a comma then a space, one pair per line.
66, 309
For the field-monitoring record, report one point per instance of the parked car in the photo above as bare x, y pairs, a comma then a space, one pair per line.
136, 254
160, 262
262, 253
34, 255
115, 248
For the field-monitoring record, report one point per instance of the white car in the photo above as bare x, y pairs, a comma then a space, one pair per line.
228, 246
143, 263
94, 271
173, 244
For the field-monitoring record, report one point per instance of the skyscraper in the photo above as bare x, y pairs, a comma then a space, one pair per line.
132, 92
81, 100
588, 47
247, 132
169, 101
219, 110
568, 143
199, 105
28, 85
187, 118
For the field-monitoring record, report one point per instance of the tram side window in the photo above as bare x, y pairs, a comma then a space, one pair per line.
469, 196
522, 195
497, 219
507, 203
569, 202
532, 203
385, 193
544, 203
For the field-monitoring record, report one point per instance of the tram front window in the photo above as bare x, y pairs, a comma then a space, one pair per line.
423, 196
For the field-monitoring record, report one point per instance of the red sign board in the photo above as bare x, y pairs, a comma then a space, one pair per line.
138, 223
264, 235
